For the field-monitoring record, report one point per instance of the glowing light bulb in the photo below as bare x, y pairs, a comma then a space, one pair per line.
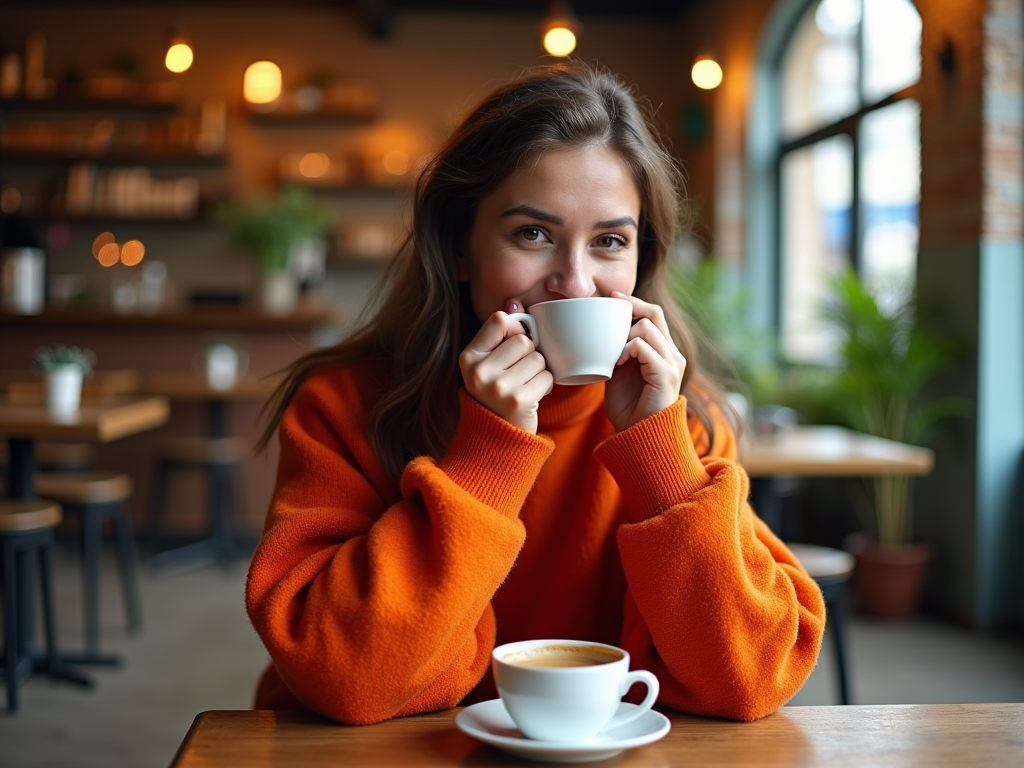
559, 41
262, 83
179, 56
706, 74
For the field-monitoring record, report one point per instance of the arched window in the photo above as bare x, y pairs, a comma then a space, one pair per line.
847, 161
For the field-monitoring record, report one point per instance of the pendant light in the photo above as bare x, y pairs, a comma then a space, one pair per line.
179, 54
560, 30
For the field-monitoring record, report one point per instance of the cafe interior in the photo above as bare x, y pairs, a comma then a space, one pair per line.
852, 248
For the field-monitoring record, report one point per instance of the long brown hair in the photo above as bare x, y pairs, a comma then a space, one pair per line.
424, 318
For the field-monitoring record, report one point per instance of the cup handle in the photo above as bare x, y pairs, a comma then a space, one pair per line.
637, 676
531, 324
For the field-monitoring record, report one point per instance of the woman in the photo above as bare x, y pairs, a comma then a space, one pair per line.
438, 494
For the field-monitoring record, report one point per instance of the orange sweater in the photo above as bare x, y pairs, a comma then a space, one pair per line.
375, 601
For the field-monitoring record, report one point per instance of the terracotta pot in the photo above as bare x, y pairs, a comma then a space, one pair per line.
888, 580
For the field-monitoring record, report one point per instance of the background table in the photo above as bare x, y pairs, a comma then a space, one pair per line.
181, 385
821, 451
830, 451
876, 736
102, 420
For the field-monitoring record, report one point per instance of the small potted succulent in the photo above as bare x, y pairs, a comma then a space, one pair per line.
63, 369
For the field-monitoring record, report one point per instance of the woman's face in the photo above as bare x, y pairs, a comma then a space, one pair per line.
563, 226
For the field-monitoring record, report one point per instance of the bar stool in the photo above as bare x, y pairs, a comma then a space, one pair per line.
26, 528
831, 569
220, 458
64, 457
98, 496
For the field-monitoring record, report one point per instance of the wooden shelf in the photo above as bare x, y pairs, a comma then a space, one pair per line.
209, 317
14, 156
87, 104
353, 189
112, 219
310, 119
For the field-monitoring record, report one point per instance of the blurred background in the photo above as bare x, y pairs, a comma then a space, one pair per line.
202, 190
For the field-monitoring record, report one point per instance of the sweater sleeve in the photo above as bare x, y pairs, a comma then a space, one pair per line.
716, 606
373, 608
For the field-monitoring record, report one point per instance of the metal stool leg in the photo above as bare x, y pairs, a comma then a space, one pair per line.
91, 517
222, 507
92, 536
46, 589
834, 592
126, 564
837, 615
157, 497
11, 642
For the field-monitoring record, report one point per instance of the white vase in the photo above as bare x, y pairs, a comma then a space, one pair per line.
279, 293
63, 386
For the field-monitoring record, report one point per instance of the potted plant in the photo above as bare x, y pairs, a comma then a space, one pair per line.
887, 361
269, 228
63, 369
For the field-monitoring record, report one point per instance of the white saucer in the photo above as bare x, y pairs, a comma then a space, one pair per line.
489, 722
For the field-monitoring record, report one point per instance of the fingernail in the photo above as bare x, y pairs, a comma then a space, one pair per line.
513, 307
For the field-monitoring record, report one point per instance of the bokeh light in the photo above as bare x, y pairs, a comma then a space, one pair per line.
102, 239
132, 252
706, 74
396, 162
10, 199
313, 165
179, 57
109, 254
262, 82
559, 41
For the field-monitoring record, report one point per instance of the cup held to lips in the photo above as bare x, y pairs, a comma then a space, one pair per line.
567, 690
581, 339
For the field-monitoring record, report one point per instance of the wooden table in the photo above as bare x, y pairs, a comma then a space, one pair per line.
821, 451
102, 420
827, 451
919, 735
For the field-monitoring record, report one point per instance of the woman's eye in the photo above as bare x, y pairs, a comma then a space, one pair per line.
610, 241
531, 234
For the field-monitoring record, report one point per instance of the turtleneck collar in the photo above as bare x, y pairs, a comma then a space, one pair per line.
565, 405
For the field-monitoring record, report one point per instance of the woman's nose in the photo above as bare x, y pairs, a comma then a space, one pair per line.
572, 278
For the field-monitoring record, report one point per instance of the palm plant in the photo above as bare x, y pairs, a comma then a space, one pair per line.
888, 361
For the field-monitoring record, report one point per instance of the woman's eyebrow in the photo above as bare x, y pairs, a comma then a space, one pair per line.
613, 223
534, 213
537, 213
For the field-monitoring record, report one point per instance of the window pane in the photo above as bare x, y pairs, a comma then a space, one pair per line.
890, 193
817, 189
819, 70
892, 47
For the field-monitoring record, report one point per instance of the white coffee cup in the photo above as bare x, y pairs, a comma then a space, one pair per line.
581, 339
567, 690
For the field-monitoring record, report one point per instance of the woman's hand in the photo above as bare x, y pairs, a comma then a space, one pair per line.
649, 373
505, 373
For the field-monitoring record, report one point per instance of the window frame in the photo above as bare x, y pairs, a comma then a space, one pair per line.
848, 125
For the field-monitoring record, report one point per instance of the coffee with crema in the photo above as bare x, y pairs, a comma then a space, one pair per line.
563, 656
